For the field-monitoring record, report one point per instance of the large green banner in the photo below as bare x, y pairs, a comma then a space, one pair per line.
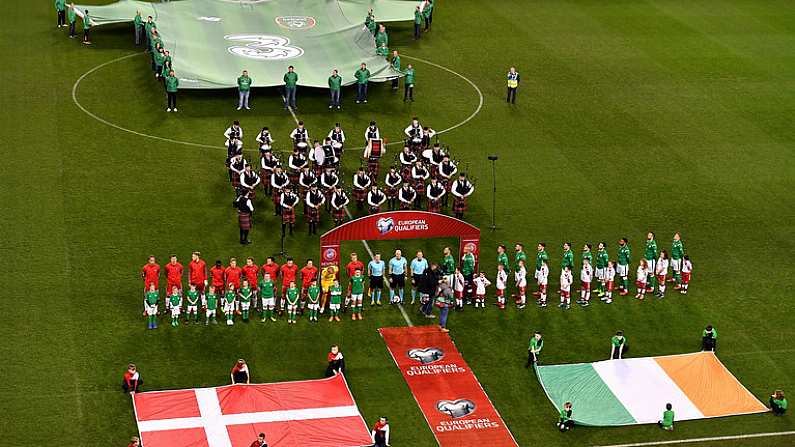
213, 41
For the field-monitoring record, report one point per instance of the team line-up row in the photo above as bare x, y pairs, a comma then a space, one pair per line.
235, 289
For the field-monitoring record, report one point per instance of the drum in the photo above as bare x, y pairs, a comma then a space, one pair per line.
374, 149
265, 147
336, 145
301, 145
427, 154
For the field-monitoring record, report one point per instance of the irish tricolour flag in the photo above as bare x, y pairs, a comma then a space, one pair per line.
319, 413
635, 391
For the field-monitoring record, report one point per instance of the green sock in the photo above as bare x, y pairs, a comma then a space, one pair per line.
245, 315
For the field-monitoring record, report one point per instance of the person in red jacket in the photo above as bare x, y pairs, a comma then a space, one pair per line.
308, 274
132, 381
260, 441
240, 373
270, 267
233, 274
174, 274
288, 272
150, 272
197, 272
217, 276
251, 271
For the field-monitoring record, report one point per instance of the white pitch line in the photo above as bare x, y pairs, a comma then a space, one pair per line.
694, 440
366, 245
116, 126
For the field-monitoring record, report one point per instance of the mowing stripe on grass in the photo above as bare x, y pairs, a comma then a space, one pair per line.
694, 440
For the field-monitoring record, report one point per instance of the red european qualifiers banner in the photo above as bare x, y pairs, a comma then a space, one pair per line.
457, 409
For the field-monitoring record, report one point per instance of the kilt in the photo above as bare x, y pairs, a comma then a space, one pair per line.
244, 220
373, 165
434, 206
265, 175
405, 206
406, 173
235, 179
339, 214
391, 192
459, 205
312, 214
276, 195
288, 215
360, 195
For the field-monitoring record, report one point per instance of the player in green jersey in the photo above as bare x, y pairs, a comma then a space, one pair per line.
193, 297
150, 306
618, 346
541, 258
175, 304
313, 294
244, 296
622, 265
519, 256
293, 295
468, 270
568, 257
650, 255
534, 350
677, 253
602, 259
502, 258
210, 305
268, 295
357, 291
448, 265
667, 421
587, 254
335, 301
229, 304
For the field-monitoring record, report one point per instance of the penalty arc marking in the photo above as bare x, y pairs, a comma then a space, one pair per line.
76, 86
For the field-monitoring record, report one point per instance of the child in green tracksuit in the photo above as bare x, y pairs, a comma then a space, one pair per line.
175, 303
293, 294
150, 306
211, 305
267, 294
314, 300
244, 295
667, 422
193, 298
336, 301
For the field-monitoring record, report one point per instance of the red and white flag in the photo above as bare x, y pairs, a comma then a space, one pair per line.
318, 413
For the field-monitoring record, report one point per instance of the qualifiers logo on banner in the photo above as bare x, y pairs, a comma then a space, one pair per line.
387, 225
448, 393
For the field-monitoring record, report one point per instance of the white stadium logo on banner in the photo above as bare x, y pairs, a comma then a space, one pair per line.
263, 47
296, 22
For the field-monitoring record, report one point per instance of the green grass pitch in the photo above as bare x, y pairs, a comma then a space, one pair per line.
664, 115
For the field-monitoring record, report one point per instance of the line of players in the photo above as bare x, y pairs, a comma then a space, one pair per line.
424, 175
651, 274
234, 290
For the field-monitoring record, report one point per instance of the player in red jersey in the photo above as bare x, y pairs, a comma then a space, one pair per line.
150, 272
308, 274
288, 271
232, 275
174, 274
197, 272
250, 270
217, 276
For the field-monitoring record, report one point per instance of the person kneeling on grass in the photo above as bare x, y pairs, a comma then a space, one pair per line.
709, 339
667, 422
565, 423
132, 380
336, 362
618, 346
240, 373
778, 403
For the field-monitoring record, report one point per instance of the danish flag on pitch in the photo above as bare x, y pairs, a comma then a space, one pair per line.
306, 413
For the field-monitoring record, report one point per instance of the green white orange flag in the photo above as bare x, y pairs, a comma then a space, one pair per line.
636, 390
